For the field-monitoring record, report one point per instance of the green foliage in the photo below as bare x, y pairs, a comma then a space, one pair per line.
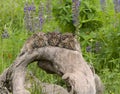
96, 26
107, 59
63, 15
89, 17
111, 81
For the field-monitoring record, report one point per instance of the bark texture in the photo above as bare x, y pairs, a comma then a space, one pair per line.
63, 58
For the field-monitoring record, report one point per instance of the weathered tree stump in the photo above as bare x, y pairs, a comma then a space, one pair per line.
56, 54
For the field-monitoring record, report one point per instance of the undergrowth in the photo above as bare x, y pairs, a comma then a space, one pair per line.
99, 34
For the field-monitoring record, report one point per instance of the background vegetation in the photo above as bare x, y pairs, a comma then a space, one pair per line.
98, 32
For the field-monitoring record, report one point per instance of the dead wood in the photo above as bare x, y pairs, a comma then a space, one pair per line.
45, 88
67, 63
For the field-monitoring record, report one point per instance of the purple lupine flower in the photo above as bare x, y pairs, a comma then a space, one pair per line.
103, 4
26, 7
36, 24
88, 48
41, 9
33, 10
117, 5
27, 16
75, 11
41, 19
97, 47
5, 34
49, 9
29, 7
118, 2
41, 22
97, 44
29, 13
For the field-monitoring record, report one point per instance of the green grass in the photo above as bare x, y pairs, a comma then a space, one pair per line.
106, 62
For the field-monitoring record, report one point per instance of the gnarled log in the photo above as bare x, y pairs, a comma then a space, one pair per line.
31, 82
67, 63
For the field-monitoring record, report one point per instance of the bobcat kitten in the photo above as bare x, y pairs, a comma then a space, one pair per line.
37, 40
53, 38
68, 41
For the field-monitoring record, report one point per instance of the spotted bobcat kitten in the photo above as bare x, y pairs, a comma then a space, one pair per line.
68, 41
53, 38
37, 40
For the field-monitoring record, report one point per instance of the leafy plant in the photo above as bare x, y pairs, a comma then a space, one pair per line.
63, 15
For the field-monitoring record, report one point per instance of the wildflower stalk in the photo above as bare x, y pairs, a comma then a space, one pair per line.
41, 19
117, 5
102, 4
33, 11
75, 15
5, 34
29, 12
49, 10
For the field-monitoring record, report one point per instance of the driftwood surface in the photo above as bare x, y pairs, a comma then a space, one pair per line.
56, 59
